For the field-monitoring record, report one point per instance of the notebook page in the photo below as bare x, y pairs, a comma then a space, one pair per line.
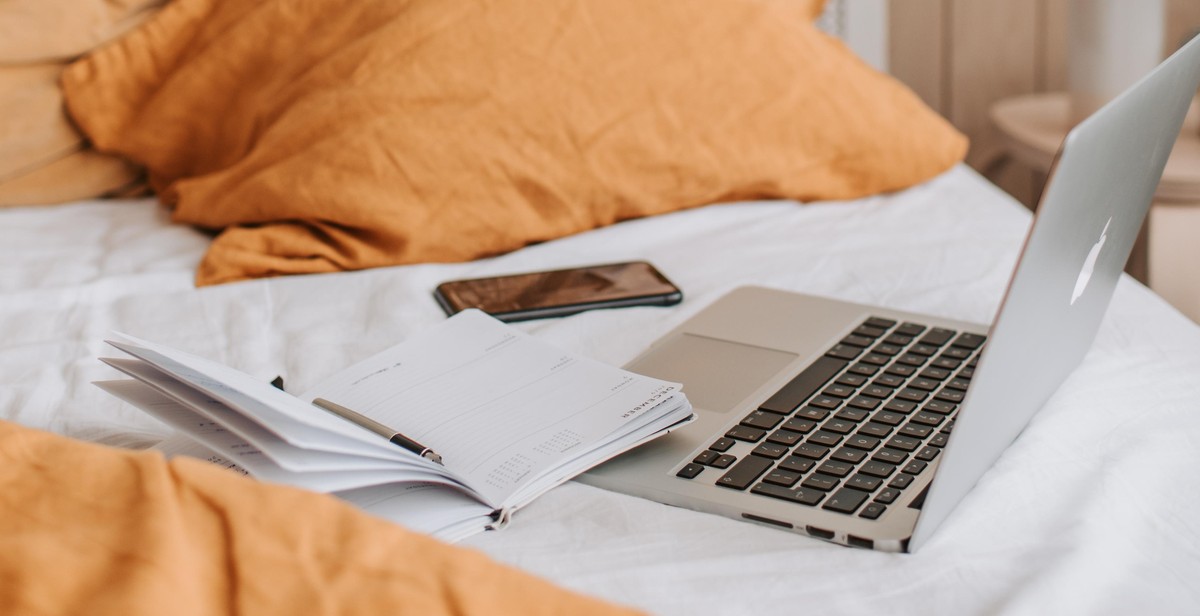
499, 406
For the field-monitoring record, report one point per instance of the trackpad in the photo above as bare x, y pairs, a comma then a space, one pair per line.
716, 374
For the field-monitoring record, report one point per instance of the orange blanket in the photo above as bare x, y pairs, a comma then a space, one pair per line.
86, 529
322, 135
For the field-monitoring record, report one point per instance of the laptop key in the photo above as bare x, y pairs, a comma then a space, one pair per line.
724, 461
865, 443
926, 350
910, 329
745, 472
889, 381
950, 395
873, 511
958, 383
889, 418
948, 363
865, 402
956, 352
878, 469
825, 402
812, 412
796, 495
887, 496
889, 456
853, 456
927, 418
877, 430
722, 444
914, 468
786, 438
762, 419
821, 437
796, 464
746, 433
812, 451
691, 471
797, 424
706, 457
852, 414
864, 369
839, 391
875, 359
970, 341
770, 450
916, 430
868, 331
783, 478
904, 443
879, 322
858, 341
900, 406
803, 385
884, 348
924, 384
938, 336
901, 370
928, 453
851, 380
940, 407
838, 426
877, 391
937, 374
866, 483
901, 481
844, 351
824, 483
938, 440
846, 500
836, 468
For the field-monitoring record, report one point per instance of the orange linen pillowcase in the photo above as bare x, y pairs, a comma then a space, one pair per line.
87, 529
320, 136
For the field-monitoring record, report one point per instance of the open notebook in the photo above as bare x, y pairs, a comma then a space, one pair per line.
509, 415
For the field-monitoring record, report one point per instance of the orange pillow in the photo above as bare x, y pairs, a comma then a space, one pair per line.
320, 136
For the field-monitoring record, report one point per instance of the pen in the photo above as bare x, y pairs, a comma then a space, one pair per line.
363, 421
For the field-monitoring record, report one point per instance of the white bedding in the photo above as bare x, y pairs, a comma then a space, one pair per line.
1093, 510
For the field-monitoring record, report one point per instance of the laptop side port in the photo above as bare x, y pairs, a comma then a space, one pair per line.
819, 532
758, 518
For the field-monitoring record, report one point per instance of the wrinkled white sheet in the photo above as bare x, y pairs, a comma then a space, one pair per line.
1093, 510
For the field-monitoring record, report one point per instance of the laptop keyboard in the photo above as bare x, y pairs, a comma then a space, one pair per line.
857, 427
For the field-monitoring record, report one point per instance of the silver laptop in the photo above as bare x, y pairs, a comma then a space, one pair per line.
866, 426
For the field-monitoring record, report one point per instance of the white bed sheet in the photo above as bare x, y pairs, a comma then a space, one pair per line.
1093, 510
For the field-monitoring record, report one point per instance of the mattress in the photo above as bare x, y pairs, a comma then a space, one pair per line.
1092, 510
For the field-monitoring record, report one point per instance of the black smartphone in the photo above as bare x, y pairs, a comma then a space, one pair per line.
536, 295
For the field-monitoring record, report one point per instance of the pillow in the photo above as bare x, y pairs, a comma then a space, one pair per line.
43, 158
87, 529
319, 136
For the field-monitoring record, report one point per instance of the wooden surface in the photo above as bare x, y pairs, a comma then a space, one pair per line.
962, 56
1031, 128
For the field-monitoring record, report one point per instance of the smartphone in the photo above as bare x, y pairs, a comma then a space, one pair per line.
536, 295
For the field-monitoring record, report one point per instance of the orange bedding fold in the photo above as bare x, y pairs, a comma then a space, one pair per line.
319, 135
88, 529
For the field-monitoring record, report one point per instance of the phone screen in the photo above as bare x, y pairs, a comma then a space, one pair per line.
560, 292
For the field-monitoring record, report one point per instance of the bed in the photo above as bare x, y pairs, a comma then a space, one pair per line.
1092, 510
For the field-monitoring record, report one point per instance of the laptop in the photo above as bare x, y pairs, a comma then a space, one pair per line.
866, 426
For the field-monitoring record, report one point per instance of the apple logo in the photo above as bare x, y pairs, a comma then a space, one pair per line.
1089, 264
